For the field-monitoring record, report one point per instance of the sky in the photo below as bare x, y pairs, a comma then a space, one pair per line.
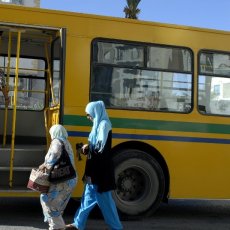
213, 14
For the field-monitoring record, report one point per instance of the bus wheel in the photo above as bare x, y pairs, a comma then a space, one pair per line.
140, 183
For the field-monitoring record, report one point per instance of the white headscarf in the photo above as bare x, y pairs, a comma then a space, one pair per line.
59, 132
101, 125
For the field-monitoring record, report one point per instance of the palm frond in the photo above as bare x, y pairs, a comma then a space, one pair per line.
131, 10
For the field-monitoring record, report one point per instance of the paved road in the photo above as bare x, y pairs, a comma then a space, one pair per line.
177, 215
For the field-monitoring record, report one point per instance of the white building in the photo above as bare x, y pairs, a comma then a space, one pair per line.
31, 3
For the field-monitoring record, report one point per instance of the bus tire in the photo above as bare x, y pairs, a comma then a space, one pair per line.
140, 183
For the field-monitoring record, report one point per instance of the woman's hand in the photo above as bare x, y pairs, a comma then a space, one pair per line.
42, 168
85, 149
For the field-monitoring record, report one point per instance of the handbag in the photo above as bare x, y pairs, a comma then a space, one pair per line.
38, 181
63, 169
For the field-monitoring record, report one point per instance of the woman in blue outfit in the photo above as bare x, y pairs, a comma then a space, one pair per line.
54, 202
99, 172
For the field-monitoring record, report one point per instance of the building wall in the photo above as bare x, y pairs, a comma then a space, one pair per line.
31, 3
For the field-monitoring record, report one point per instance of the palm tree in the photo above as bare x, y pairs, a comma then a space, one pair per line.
131, 10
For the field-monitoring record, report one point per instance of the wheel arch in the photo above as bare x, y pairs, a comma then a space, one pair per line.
152, 151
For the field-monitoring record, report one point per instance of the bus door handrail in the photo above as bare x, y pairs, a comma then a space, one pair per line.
49, 74
14, 109
55, 105
47, 113
7, 85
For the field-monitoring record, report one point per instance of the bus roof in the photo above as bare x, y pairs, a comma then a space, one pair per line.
102, 17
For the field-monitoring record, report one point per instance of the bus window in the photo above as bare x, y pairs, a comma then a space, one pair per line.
176, 59
31, 83
119, 54
56, 62
124, 81
214, 83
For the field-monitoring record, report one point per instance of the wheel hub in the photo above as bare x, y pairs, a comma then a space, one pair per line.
127, 184
130, 185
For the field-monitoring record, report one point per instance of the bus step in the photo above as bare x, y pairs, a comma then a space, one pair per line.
20, 178
14, 188
24, 155
16, 168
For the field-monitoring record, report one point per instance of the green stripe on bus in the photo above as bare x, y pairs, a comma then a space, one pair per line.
76, 120
126, 123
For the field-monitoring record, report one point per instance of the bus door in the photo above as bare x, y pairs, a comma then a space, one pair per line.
55, 73
31, 58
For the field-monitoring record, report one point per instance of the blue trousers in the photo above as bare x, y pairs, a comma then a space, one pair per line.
105, 202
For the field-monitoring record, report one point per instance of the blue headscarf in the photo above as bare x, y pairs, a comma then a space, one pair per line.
101, 125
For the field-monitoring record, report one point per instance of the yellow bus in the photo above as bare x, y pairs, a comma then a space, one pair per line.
166, 89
